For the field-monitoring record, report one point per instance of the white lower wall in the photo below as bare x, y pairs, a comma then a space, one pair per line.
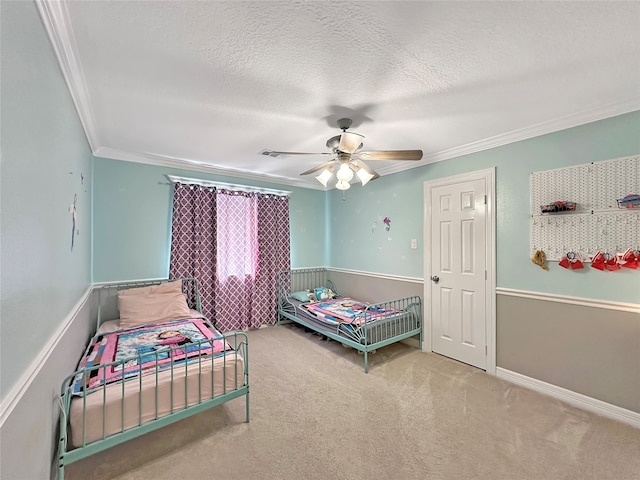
29, 415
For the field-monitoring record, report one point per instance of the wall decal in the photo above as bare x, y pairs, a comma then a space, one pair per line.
73, 208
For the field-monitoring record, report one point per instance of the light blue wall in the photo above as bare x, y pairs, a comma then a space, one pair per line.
356, 245
132, 223
44, 154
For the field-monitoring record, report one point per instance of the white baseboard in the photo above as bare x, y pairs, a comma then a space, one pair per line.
576, 399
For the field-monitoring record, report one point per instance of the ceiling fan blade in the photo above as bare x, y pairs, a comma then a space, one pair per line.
275, 153
391, 155
350, 142
319, 167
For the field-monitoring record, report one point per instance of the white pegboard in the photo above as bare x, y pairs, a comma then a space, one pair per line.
596, 224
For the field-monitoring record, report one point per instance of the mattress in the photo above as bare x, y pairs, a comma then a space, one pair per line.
119, 407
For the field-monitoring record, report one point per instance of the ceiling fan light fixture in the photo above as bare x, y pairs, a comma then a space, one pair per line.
350, 142
344, 174
348, 160
342, 185
324, 177
364, 176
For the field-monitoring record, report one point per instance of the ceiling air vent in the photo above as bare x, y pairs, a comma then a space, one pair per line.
271, 153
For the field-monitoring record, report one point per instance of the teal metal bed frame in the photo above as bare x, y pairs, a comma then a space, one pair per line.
374, 333
237, 340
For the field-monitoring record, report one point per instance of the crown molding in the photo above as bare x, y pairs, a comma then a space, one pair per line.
196, 166
558, 124
56, 22
555, 125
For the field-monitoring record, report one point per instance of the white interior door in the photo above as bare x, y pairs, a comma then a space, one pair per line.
458, 271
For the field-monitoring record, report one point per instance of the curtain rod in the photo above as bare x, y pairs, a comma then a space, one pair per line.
227, 186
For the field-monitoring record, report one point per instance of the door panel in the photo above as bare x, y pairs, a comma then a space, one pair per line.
458, 237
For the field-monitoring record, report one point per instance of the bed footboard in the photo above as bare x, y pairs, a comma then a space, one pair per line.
120, 411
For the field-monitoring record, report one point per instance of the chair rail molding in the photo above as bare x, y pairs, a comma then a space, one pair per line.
585, 302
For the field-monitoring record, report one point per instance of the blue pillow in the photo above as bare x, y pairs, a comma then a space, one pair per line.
301, 296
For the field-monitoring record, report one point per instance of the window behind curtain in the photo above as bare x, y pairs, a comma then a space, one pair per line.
237, 236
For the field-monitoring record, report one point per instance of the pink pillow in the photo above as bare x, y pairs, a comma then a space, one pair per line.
152, 308
165, 287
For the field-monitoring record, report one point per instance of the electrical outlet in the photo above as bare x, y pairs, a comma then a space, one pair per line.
414, 243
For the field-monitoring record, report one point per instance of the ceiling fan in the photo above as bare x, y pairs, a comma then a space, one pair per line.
349, 159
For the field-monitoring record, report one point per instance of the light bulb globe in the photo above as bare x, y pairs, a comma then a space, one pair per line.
344, 173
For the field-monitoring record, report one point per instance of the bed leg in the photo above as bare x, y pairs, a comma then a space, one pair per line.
246, 401
60, 459
366, 362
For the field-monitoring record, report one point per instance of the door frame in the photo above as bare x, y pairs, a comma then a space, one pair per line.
489, 175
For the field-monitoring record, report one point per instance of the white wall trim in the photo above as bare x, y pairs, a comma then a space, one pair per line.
97, 285
576, 399
24, 382
227, 186
383, 276
197, 166
585, 302
56, 22
554, 125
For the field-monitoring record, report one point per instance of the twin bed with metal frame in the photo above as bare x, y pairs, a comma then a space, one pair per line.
360, 325
173, 377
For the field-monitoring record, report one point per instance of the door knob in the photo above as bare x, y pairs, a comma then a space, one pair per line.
435, 279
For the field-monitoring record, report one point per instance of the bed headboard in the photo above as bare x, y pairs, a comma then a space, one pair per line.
108, 296
296, 280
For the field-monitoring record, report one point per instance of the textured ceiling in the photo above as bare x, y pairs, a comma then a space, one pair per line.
208, 85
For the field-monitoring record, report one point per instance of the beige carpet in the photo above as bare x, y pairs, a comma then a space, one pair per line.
316, 415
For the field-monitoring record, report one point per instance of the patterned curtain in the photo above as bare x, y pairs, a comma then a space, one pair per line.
274, 255
193, 245
250, 239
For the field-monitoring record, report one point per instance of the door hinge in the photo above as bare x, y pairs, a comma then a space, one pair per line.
486, 350
485, 199
485, 274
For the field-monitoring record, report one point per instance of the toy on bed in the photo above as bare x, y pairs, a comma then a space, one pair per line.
309, 298
157, 362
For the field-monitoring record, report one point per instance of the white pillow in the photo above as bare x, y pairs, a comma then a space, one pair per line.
165, 287
152, 308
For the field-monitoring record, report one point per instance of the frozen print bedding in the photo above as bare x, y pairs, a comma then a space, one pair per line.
348, 310
144, 350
